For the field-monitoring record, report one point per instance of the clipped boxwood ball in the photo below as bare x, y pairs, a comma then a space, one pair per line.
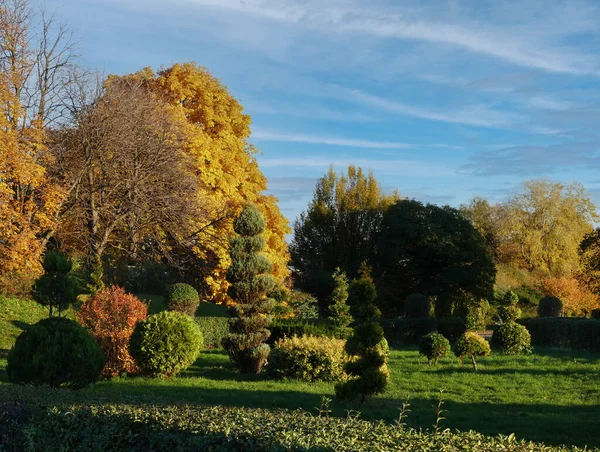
166, 343
434, 346
183, 298
55, 352
511, 339
550, 307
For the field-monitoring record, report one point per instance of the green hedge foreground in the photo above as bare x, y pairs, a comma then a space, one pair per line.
180, 428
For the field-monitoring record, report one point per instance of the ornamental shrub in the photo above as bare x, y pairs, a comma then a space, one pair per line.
575, 333
511, 339
308, 358
550, 307
57, 287
451, 327
507, 314
339, 310
473, 345
250, 282
183, 298
281, 328
434, 346
55, 352
417, 305
214, 330
111, 315
166, 343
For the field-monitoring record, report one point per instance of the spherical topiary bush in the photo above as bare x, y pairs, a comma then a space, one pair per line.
55, 352
183, 298
165, 343
550, 307
512, 339
417, 305
509, 313
451, 327
434, 346
473, 345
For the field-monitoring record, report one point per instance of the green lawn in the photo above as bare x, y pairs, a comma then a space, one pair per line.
551, 396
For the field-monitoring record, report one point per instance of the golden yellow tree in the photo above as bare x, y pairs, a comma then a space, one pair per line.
226, 168
29, 201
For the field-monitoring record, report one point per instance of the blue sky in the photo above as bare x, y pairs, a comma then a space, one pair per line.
443, 100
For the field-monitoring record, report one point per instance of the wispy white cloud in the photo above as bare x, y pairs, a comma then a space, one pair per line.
264, 135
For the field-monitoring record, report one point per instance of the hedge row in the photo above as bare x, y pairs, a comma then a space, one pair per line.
214, 329
181, 428
407, 330
578, 334
281, 328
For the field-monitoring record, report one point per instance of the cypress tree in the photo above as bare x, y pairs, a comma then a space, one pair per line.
250, 282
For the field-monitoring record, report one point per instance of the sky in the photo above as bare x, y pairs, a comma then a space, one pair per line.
443, 100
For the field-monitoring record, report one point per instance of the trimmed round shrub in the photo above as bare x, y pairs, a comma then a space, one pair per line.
509, 313
417, 305
550, 307
166, 343
183, 298
451, 327
434, 346
57, 352
512, 339
111, 315
471, 345
308, 358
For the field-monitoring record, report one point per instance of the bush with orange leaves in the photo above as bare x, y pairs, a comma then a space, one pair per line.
111, 315
578, 300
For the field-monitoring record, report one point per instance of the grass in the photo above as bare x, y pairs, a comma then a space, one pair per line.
551, 396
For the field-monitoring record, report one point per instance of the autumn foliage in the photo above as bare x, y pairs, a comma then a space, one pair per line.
577, 299
111, 316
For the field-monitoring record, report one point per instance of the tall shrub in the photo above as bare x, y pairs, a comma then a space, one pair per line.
368, 372
339, 311
111, 315
57, 287
250, 282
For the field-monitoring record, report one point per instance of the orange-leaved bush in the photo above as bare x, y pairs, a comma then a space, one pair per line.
577, 299
111, 315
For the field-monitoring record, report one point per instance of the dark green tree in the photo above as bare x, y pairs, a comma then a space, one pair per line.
434, 251
250, 282
57, 287
369, 373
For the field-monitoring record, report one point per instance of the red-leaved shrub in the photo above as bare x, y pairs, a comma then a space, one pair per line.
111, 315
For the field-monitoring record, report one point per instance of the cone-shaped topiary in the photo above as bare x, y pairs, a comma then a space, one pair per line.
250, 282
339, 311
56, 288
368, 373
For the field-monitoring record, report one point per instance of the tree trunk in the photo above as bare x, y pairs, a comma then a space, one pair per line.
474, 363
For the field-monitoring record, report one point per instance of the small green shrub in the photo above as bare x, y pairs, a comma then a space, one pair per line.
512, 339
308, 358
55, 352
550, 307
509, 313
405, 331
417, 305
183, 298
213, 329
451, 327
166, 343
434, 346
471, 345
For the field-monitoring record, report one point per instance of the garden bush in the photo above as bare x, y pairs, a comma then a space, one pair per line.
471, 345
434, 346
579, 334
550, 307
183, 298
111, 315
451, 327
166, 343
511, 339
417, 305
508, 314
282, 328
55, 352
148, 428
308, 358
407, 331
213, 329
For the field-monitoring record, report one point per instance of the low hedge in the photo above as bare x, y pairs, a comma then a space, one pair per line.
578, 334
407, 330
182, 428
282, 328
214, 329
